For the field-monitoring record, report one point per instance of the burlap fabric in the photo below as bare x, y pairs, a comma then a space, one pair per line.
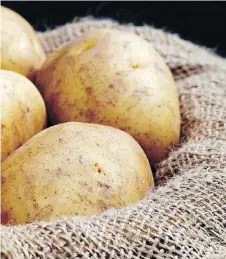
185, 217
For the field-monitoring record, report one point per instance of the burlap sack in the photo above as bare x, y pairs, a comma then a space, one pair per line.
184, 218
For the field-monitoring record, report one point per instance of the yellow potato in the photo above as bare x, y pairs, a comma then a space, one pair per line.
117, 79
21, 51
23, 112
73, 169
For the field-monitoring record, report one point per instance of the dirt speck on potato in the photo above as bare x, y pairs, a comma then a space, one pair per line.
89, 90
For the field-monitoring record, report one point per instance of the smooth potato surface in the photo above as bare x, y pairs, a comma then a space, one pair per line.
73, 169
21, 51
117, 79
23, 112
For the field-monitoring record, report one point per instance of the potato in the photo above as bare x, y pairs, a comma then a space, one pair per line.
20, 49
73, 169
117, 79
23, 112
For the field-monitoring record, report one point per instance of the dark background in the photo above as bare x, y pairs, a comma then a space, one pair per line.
203, 23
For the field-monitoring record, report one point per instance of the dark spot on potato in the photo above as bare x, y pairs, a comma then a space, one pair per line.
58, 81
45, 198
110, 86
89, 90
81, 160
3, 180
28, 110
99, 169
81, 69
104, 207
3, 126
111, 103
123, 128
31, 68
60, 140
4, 217
135, 66
83, 183
103, 185
90, 115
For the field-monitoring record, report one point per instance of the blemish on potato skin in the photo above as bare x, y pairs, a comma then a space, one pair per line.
89, 90
103, 185
110, 86
58, 82
135, 66
81, 160
90, 115
31, 68
82, 183
5, 217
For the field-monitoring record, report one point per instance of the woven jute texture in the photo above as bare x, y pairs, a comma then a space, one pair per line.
185, 217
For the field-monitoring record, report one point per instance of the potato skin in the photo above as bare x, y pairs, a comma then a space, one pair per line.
21, 51
117, 79
23, 112
73, 169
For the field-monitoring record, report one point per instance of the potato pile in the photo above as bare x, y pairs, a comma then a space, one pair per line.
112, 108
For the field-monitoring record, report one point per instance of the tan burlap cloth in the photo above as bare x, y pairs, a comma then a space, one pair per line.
185, 217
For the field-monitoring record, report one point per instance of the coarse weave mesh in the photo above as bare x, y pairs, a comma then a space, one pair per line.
185, 217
